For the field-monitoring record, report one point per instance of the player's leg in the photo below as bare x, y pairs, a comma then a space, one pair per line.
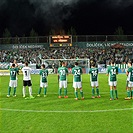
115, 89
111, 90
131, 90
45, 89
93, 90
30, 89
128, 91
15, 86
76, 93
116, 93
24, 91
81, 90
75, 90
24, 88
9, 88
65, 89
40, 89
81, 93
97, 89
60, 88
111, 93
9, 91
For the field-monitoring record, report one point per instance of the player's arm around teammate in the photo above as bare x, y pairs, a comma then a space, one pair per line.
77, 81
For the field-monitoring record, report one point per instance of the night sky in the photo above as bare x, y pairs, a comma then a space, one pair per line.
86, 16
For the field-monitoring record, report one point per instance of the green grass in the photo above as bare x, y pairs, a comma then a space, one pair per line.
53, 115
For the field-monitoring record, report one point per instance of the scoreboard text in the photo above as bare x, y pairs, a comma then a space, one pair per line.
60, 40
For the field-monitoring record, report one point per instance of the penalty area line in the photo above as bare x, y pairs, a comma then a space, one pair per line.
63, 111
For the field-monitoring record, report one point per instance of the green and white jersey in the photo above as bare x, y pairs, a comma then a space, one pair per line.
77, 72
93, 74
62, 71
130, 74
112, 71
43, 75
13, 73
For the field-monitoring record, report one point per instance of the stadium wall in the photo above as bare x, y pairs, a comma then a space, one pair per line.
95, 44
104, 44
24, 46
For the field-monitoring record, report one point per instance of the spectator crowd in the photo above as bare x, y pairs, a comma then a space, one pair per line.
102, 56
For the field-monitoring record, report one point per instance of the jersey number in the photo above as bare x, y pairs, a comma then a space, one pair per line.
44, 74
13, 73
63, 72
26, 73
113, 71
77, 72
94, 73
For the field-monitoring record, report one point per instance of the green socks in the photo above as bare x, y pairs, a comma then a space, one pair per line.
132, 93
45, 91
65, 91
93, 92
9, 90
97, 90
128, 93
81, 92
116, 93
14, 91
111, 94
59, 92
76, 94
39, 92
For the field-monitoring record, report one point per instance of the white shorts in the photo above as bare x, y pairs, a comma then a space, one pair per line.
94, 83
112, 83
130, 84
77, 85
43, 84
63, 84
13, 83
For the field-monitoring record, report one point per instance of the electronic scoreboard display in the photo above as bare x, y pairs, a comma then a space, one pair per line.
60, 40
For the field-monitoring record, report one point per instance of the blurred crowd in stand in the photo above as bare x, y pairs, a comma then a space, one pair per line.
101, 56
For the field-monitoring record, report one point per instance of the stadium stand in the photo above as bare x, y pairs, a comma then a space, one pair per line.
102, 56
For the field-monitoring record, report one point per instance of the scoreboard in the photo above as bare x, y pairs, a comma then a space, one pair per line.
60, 41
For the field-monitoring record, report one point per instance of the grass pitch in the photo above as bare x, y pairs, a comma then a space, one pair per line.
53, 115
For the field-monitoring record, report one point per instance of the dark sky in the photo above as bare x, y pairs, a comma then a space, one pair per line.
86, 16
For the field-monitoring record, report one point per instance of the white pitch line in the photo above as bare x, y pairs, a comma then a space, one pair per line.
74, 111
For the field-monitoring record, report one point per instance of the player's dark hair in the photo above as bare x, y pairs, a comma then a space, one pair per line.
93, 64
76, 63
112, 62
43, 65
26, 63
63, 63
130, 62
13, 65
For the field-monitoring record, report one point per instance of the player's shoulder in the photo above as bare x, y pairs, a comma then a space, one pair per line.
130, 68
16, 68
40, 70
